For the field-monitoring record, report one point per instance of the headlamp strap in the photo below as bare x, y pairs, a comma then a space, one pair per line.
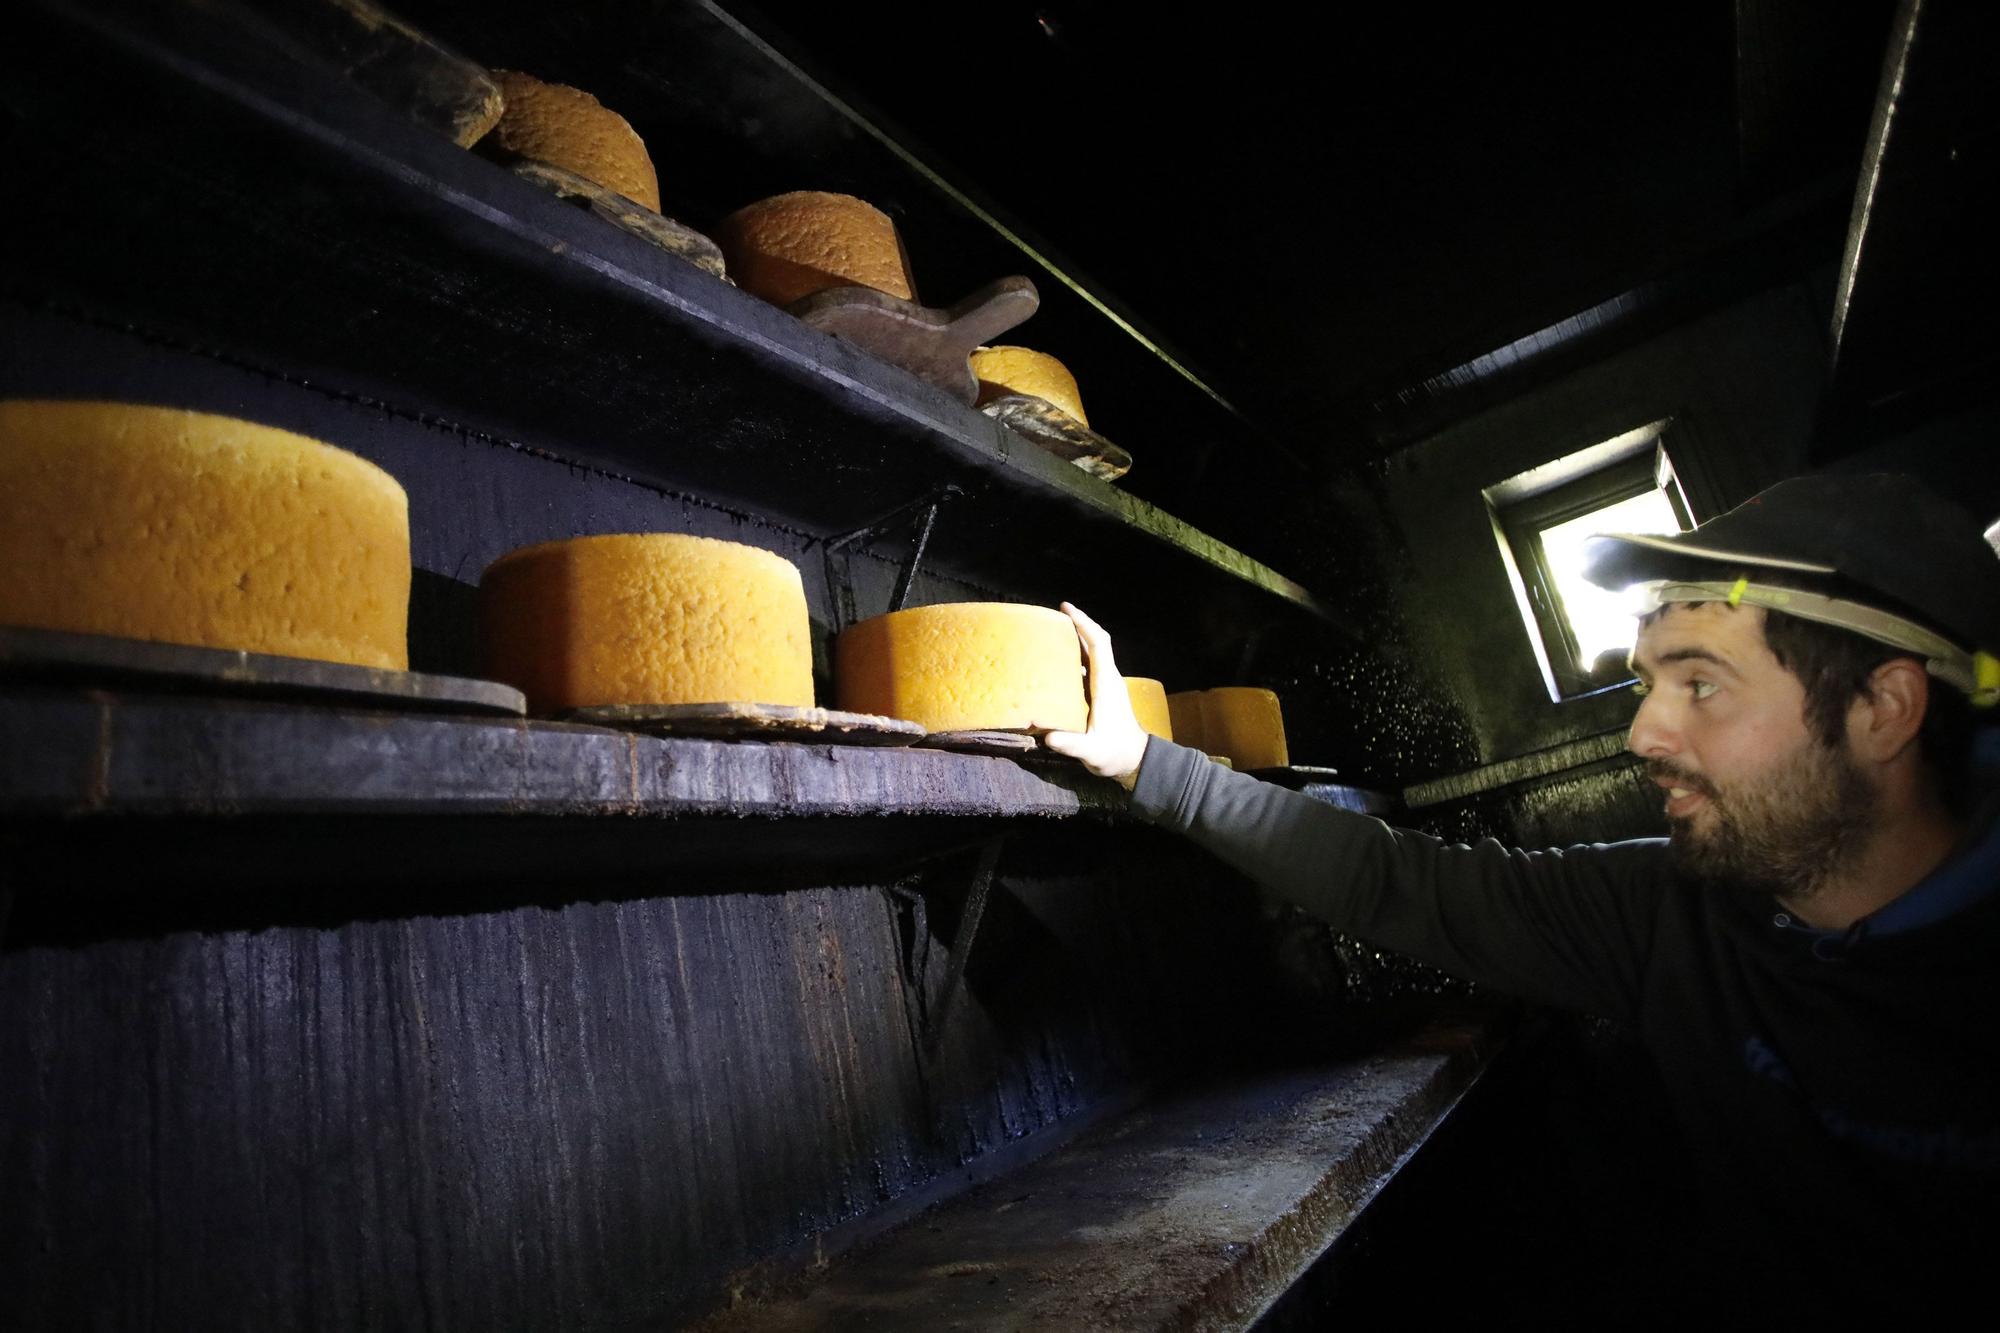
1976, 674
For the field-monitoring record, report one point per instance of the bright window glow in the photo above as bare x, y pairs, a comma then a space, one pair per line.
1602, 621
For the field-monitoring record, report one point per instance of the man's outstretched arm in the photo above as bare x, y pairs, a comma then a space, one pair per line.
1569, 928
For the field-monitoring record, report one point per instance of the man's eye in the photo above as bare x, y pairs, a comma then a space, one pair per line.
1701, 689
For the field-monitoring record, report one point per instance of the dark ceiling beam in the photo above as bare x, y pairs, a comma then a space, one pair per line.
1787, 238
1801, 95
1912, 336
1881, 126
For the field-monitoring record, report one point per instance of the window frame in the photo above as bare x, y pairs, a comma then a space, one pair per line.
1568, 487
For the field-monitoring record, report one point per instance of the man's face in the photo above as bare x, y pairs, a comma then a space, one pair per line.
1752, 796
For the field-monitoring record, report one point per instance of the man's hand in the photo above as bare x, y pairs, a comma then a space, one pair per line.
1114, 744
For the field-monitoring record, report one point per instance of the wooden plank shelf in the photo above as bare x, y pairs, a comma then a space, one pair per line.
202, 192
75, 752
407, 811
1195, 1210
79, 754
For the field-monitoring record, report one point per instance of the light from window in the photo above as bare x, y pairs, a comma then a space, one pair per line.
1580, 634
1601, 621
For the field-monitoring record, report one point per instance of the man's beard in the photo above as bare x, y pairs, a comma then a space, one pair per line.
1786, 833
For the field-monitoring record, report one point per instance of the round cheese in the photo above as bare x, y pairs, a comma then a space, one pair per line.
568, 128
1005, 370
785, 248
648, 618
966, 666
1236, 722
1149, 706
1184, 715
183, 527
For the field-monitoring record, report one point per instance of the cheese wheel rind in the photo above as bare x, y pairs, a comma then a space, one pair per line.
786, 248
1005, 370
1149, 706
1241, 723
568, 128
647, 618
186, 527
965, 666
1184, 713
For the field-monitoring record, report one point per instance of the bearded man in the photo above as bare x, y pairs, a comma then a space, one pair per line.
1811, 958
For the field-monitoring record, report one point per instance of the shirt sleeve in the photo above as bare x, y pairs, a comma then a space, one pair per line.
1570, 928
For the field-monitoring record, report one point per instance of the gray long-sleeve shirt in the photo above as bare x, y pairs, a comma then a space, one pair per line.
1840, 1092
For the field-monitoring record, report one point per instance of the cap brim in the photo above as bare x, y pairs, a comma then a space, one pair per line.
1617, 560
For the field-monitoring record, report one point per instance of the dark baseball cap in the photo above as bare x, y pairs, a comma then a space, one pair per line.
1881, 539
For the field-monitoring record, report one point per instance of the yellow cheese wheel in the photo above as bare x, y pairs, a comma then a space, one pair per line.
1005, 370
785, 248
183, 527
1241, 723
648, 618
1184, 715
1149, 705
568, 128
965, 666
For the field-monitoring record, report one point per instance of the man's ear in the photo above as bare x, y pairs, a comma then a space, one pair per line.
1883, 722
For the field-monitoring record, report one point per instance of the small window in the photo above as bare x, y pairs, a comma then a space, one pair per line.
1541, 518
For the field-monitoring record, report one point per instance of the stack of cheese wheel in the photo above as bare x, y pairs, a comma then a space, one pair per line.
651, 618
788, 247
183, 527
1149, 706
1008, 370
568, 128
965, 666
1235, 722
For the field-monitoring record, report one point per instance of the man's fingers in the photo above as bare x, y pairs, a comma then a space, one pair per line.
1071, 610
1113, 745
1099, 754
1064, 742
1096, 642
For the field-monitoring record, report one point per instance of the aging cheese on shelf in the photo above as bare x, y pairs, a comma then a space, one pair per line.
965, 666
647, 618
1245, 724
185, 527
568, 128
1184, 715
1005, 370
790, 246
1240, 723
1149, 706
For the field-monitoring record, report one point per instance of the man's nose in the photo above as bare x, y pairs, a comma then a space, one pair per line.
1653, 735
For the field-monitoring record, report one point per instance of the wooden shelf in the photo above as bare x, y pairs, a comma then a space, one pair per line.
64, 752
394, 813
1196, 1210
170, 812
199, 190
77, 753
